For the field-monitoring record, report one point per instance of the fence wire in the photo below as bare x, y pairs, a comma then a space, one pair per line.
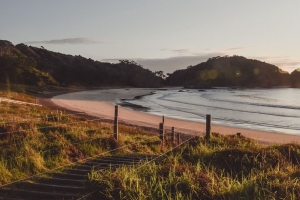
148, 123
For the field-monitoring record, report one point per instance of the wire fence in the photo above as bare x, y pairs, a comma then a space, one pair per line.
56, 125
170, 150
190, 137
59, 147
145, 123
69, 164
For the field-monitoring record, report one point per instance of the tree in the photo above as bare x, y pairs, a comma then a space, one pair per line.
160, 74
127, 62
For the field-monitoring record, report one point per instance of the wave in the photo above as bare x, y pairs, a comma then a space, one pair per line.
252, 113
253, 104
232, 120
230, 109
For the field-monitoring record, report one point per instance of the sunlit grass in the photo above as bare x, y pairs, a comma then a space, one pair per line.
37, 139
225, 167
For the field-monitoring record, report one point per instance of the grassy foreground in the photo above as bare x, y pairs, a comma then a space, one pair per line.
34, 139
225, 167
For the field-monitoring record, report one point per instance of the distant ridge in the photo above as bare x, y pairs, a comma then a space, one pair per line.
295, 78
234, 71
22, 64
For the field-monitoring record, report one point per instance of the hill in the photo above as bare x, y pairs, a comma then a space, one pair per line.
22, 64
235, 71
295, 78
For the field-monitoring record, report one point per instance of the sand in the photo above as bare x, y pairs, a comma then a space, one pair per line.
103, 105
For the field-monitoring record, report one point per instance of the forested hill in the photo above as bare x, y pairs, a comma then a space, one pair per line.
22, 64
295, 78
235, 71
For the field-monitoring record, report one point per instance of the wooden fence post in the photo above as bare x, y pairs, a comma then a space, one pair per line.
163, 119
116, 127
173, 135
162, 133
178, 139
208, 126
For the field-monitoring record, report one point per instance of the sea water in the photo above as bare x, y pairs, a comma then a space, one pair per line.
274, 110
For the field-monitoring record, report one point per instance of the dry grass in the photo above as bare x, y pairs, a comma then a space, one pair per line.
35, 139
225, 167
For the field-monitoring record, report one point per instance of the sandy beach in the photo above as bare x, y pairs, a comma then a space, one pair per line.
102, 105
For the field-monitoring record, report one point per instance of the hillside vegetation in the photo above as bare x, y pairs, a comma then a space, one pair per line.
27, 65
295, 77
235, 71
22, 64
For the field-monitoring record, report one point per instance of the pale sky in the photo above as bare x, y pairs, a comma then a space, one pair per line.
159, 34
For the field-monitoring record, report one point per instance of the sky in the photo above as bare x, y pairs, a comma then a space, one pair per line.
159, 34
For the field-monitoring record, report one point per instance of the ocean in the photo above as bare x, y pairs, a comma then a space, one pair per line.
273, 110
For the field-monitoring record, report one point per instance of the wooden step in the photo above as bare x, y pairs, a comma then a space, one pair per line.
68, 184
37, 195
69, 175
101, 165
77, 171
63, 181
50, 187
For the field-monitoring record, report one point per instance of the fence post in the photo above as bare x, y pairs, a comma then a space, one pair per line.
173, 135
163, 119
116, 128
161, 133
178, 139
208, 126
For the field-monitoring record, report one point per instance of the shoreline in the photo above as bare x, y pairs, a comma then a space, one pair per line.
103, 107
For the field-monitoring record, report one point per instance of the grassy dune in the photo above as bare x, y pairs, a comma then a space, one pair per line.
225, 167
35, 139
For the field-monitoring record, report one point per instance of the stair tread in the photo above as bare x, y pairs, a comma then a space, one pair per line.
43, 193
69, 183
55, 185
62, 179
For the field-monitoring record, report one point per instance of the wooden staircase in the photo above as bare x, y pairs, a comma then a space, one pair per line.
70, 183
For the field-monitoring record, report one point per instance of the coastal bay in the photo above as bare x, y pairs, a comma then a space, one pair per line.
100, 103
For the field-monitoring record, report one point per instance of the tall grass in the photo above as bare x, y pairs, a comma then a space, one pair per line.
225, 167
36, 139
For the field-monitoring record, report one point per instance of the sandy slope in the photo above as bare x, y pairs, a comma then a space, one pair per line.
102, 105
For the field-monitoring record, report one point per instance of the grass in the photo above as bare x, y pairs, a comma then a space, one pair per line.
225, 167
27, 93
36, 139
